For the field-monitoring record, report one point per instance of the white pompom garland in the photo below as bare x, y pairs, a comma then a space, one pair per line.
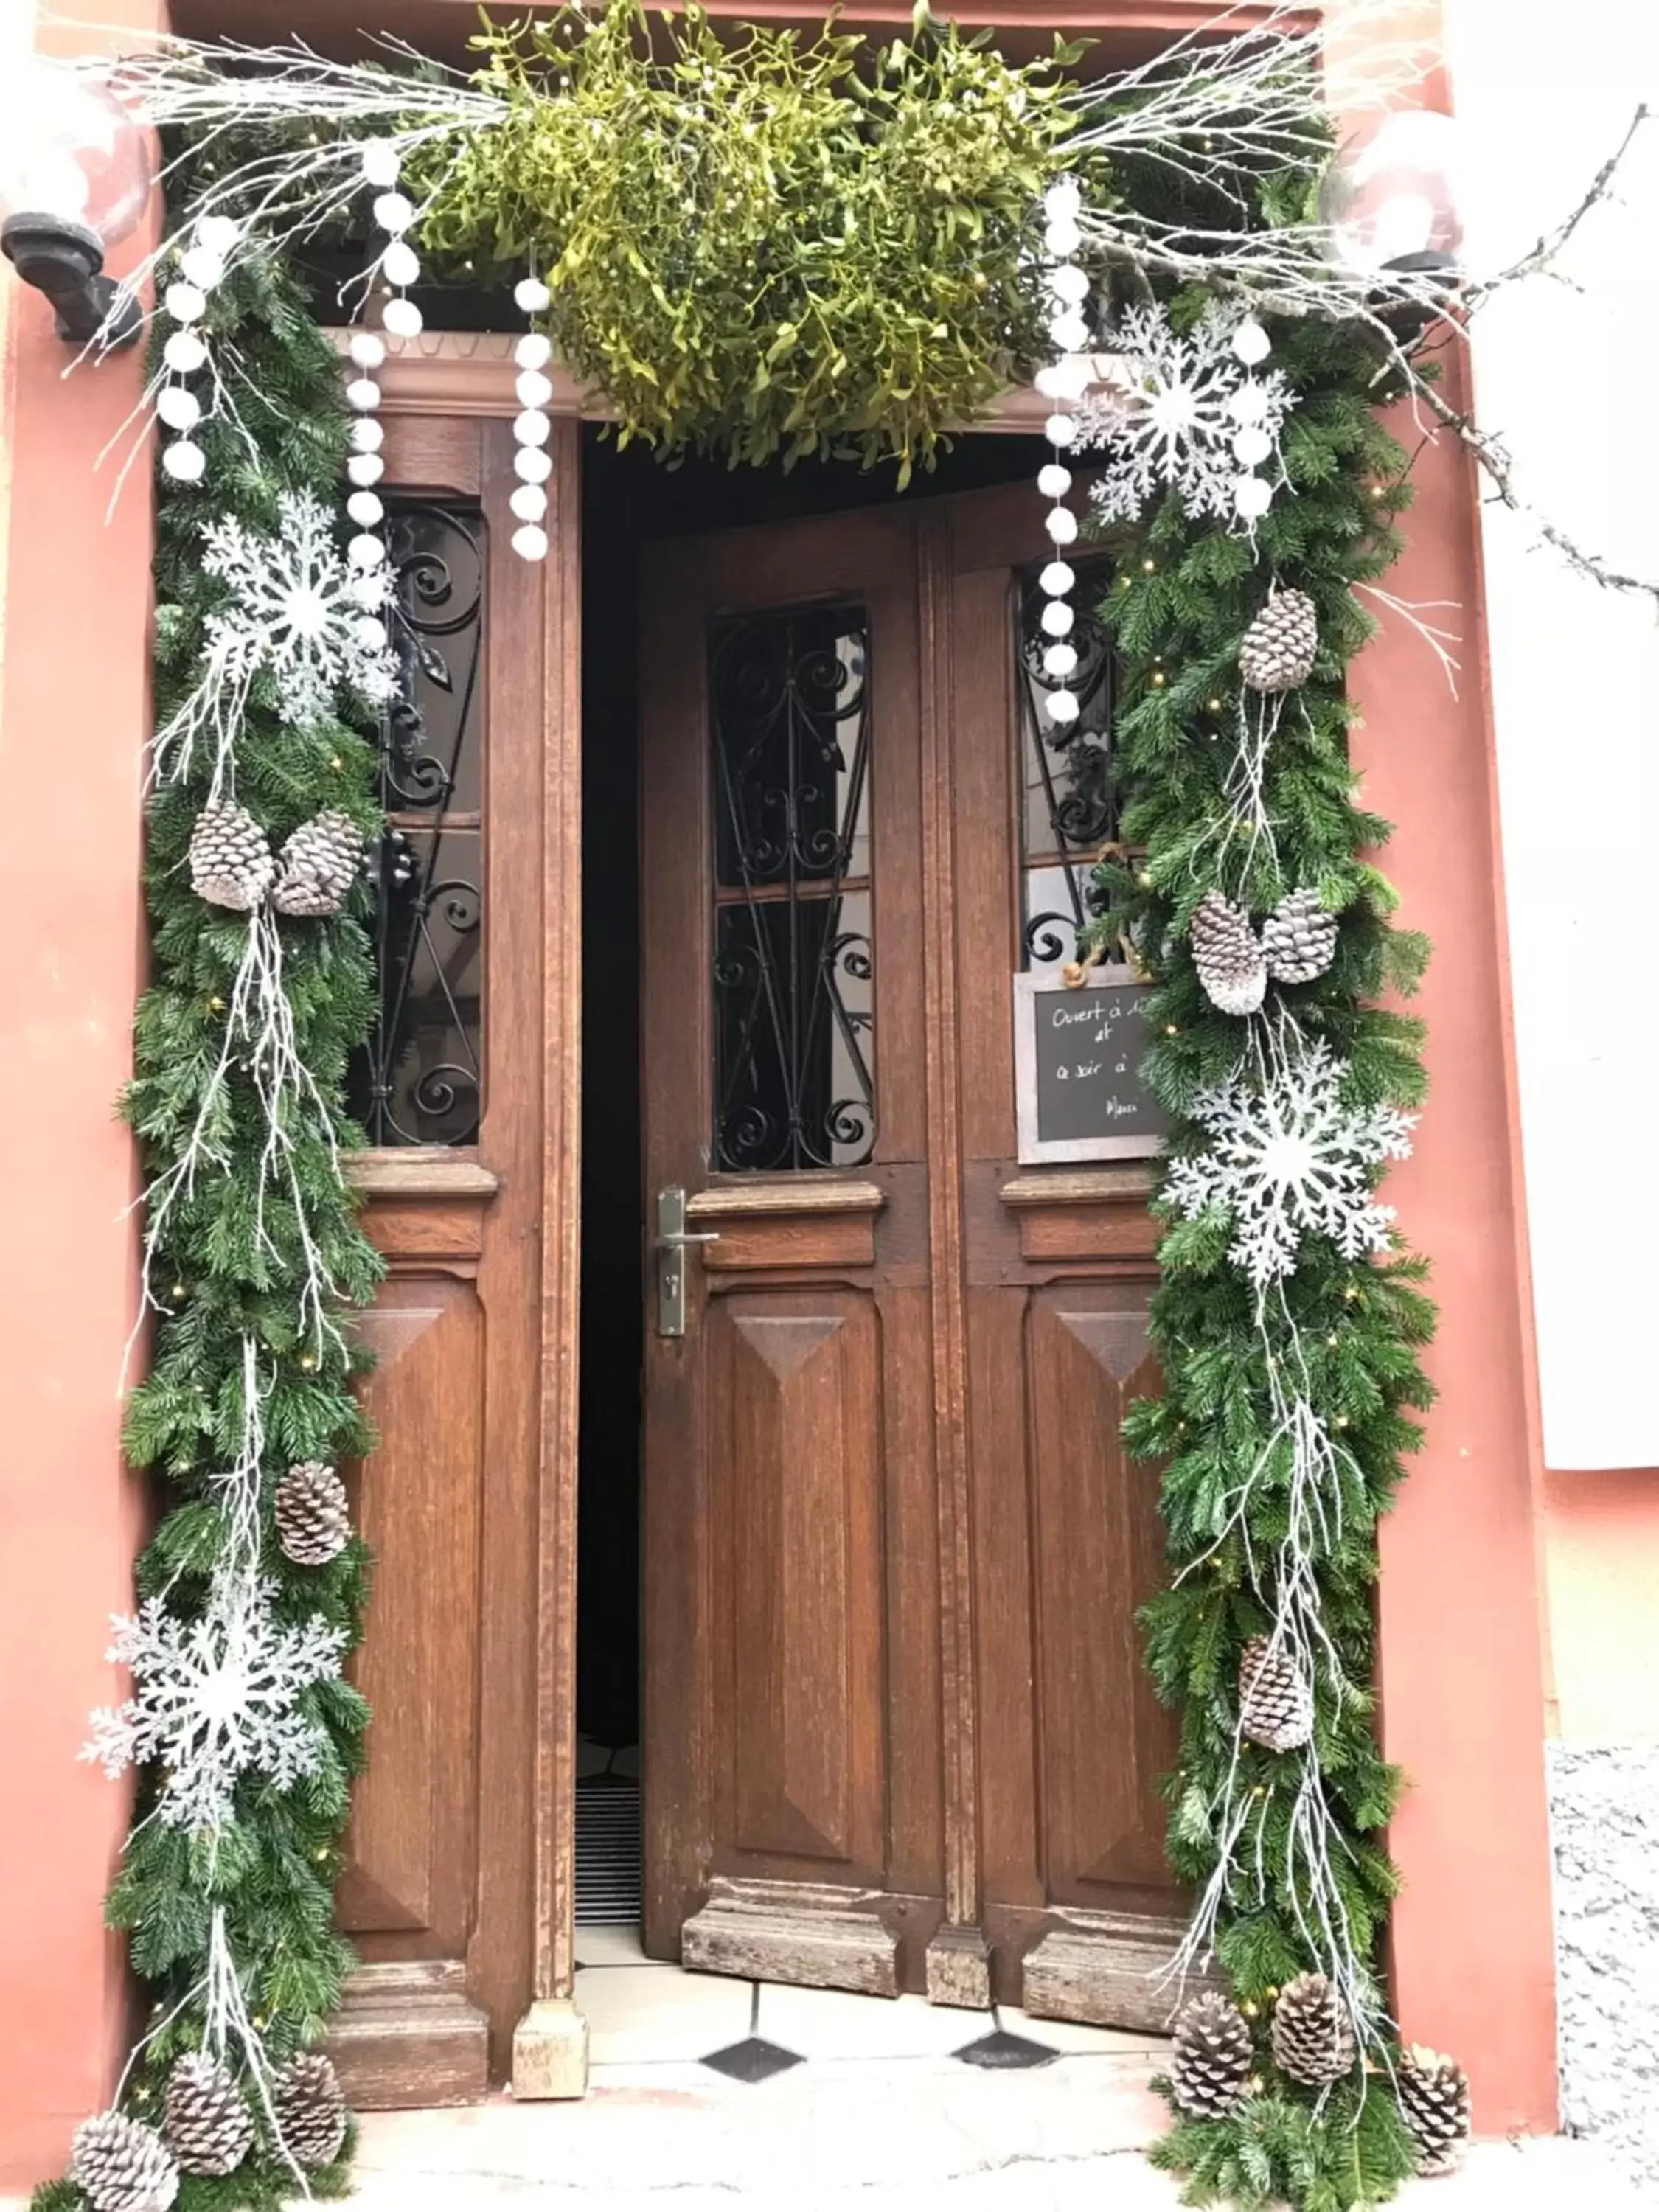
530, 462
1065, 380
188, 349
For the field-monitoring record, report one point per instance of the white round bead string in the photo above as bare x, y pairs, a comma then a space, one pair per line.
1252, 442
531, 463
399, 264
1064, 382
201, 268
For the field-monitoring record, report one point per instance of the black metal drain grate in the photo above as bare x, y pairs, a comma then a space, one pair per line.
609, 1852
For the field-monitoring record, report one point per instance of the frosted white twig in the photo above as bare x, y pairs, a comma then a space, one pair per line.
215, 1698
1436, 635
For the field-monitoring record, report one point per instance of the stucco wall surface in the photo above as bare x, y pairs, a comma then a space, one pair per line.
1604, 1812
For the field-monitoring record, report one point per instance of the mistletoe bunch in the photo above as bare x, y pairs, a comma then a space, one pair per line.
765, 247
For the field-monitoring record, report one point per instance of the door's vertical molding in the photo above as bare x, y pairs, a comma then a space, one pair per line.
958, 1959
550, 2053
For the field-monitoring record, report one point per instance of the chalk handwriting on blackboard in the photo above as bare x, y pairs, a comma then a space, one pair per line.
1079, 1058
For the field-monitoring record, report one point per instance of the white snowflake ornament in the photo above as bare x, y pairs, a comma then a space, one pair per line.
1291, 1160
295, 610
1179, 405
215, 1698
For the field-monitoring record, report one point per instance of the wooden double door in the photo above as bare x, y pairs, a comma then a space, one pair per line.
898, 1732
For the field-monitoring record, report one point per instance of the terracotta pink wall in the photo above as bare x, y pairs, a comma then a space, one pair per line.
1462, 1670
73, 685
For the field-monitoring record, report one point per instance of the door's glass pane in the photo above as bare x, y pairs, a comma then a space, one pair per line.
419, 1080
1068, 805
794, 989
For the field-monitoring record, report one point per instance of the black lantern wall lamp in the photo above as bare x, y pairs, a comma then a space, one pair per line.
74, 180
1389, 201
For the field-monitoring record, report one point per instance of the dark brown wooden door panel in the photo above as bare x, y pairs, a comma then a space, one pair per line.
795, 1446
1098, 1552
409, 1889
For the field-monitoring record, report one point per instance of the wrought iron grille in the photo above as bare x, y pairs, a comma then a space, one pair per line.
793, 984
1069, 805
419, 1081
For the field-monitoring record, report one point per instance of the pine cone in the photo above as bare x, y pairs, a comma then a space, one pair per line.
1226, 955
210, 2128
1298, 939
320, 864
1209, 2058
1434, 2103
230, 862
1280, 644
122, 2165
314, 1520
311, 2114
1313, 2037
1275, 1704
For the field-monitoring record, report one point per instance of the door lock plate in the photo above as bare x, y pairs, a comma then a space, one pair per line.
672, 1241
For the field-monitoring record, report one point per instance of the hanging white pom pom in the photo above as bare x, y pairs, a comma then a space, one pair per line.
365, 468
534, 389
368, 436
533, 350
531, 466
394, 211
403, 318
1068, 281
529, 503
530, 543
363, 393
1064, 380
368, 349
366, 508
1251, 402
1053, 481
183, 353
1061, 706
1057, 578
531, 296
1069, 332
1062, 202
1063, 525
1251, 342
1059, 659
1057, 619
1060, 429
184, 302
220, 234
1062, 238
365, 550
1253, 497
368, 586
178, 409
184, 462
370, 633
381, 163
1252, 446
201, 267
400, 264
531, 428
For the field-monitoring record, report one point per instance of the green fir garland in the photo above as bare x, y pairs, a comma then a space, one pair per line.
1185, 593
223, 1277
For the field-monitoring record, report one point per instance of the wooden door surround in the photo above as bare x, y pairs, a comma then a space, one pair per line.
897, 1729
461, 1889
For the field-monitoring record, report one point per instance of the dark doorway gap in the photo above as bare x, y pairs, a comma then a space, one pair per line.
629, 499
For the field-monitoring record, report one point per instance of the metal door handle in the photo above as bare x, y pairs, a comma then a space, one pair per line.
672, 1238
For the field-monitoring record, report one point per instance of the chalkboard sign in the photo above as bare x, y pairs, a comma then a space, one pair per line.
1077, 1061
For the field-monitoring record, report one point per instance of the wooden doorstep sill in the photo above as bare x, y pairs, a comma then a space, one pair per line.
419, 1171
1131, 1184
